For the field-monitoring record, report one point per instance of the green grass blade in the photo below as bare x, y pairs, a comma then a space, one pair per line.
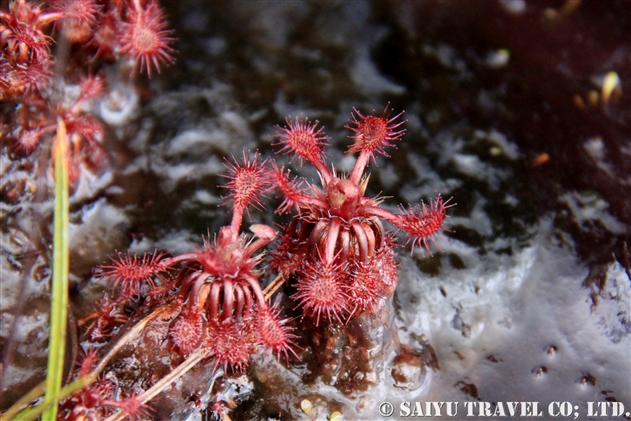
32, 413
59, 290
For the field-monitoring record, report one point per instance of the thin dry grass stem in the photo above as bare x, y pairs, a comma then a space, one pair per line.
124, 339
273, 287
178, 372
24, 401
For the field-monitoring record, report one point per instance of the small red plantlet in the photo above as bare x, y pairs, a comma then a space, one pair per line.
90, 87
220, 409
100, 324
340, 257
92, 403
132, 408
28, 140
144, 37
88, 362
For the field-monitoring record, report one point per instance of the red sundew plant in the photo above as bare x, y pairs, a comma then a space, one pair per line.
215, 300
336, 251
